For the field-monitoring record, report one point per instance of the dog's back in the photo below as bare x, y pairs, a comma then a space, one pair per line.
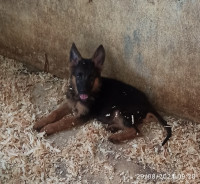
118, 95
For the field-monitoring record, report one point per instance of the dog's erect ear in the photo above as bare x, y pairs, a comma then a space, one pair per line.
75, 56
99, 57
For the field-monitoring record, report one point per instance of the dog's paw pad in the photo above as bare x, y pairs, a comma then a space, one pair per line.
36, 127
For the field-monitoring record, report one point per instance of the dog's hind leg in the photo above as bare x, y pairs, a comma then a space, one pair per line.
126, 134
116, 123
66, 123
114, 128
53, 116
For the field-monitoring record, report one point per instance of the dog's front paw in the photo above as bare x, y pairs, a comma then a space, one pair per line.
114, 139
43, 122
38, 125
48, 129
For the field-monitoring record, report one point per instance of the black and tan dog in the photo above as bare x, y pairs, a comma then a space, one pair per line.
91, 96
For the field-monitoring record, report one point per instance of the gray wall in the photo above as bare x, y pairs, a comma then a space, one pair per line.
151, 44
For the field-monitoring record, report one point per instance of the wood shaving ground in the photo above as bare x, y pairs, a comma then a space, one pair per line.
29, 157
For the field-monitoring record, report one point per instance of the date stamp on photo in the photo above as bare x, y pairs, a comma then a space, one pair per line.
165, 176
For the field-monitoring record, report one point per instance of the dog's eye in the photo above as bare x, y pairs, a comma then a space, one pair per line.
79, 76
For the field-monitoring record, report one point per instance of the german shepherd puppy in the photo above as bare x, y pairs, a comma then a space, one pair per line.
91, 96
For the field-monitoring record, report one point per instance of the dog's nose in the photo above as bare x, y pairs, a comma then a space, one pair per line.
83, 90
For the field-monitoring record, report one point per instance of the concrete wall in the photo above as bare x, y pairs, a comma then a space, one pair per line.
151, 44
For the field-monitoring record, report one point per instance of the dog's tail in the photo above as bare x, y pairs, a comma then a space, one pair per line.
164, 124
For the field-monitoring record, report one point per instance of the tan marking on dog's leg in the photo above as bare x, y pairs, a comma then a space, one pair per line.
149, 118
66, 123
126, 134
53, 116
116, 123
118, 120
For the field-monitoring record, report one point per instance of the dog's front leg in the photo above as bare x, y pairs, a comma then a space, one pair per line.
53, 116
67, 122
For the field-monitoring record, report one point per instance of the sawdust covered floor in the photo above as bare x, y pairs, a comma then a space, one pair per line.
83, 155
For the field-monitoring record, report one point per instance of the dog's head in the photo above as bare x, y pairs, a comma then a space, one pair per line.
85, 73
